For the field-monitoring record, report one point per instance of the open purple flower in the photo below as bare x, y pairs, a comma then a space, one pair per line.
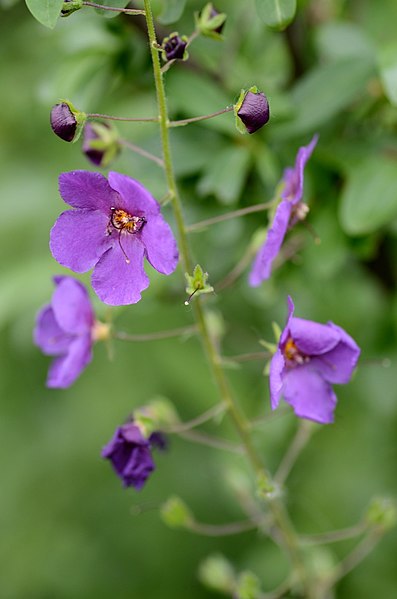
130, 454
64, 329
115, 224
289, 211
309, 359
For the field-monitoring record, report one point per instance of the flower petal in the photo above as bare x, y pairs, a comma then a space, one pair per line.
160, 244
65, 369
337, 365
309, 394
262, 266
114, 281
72, 306
48, 335
84, 189
313, 338
78, 239
138, 467
276, 379
134, 197
293, 177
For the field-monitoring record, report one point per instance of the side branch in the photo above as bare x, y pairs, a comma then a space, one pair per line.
128, 11
229, 215
155, 336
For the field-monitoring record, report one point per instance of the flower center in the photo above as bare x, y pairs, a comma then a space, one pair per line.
125, 222
292, 354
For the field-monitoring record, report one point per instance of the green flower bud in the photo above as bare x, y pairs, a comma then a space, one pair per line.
175, 513
217, 573
381, 514
197, 283
248, 586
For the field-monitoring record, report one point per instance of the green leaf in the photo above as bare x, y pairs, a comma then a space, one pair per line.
369, 200
276, 14
172, 11
45, 11
388, 70
226, 174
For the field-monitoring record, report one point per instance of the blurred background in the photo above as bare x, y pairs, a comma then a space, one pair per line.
68, 529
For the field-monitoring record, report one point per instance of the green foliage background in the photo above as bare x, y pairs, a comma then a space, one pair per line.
68, 530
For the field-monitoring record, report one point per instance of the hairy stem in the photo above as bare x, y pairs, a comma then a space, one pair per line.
128, 11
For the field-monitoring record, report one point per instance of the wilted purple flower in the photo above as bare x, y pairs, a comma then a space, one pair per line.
65, 329
100, 143
174, 47
309, 359
254, 111
289, 211
115, 225
129, 452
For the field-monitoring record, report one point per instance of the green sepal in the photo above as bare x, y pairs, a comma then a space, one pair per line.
70, 7
248, 586
217, 573
197, 283
156, 415
241, 128
80, 117
175, 513
207, 25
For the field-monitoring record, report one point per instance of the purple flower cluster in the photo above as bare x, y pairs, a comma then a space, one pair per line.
115, 224
130, 454
65, 329
289, 211
309, 359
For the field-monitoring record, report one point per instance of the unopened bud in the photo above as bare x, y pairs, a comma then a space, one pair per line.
66, 121
70, 6
210, 22
100, 143
381, 514
175, 513
174, 47
251, 110
217, 573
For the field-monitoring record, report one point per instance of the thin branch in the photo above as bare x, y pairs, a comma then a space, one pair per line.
299, 441
353, 559
221, 530
109, 117
334, 536
128, 11
229, 215
142, 152
210, 441
274, 415
205, 417
155, 336
196, 119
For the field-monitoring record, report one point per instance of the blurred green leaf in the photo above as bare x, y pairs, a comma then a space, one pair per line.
277, 14
369, 200
45, 11
339, 40
388, 70
226, 174
172, 11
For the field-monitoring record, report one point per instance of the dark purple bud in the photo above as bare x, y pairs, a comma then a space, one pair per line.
215, 13
100, 143
129, 453
174, 47
254, 111
63, 121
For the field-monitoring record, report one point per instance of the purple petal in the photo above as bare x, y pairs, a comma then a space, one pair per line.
313, 338
78, 239
160, 244
138, 467
293, 177
309, 394
276, 379
337, 365
65, 369
286, 332
48, 335
84, 189
262, 266
134, 198
114, 281
72, 306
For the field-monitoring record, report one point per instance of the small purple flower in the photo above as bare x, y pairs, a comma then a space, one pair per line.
254, 111
289, 211
115, 224
174, 47
130, 454
309, 359
65, 329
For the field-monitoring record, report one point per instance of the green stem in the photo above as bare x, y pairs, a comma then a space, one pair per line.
128, 11
228, 215
141, 152
196, 119
189, 330
109, 117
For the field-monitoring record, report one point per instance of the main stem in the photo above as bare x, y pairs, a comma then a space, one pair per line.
215, 360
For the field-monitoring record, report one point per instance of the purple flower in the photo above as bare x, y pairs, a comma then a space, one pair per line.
309, 359
64, 329
115, 225
129, 452
289, 211
254, 111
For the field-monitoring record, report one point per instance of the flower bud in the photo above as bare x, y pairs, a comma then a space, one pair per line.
174, 47
217, 573
175, 513
66, 121
210, 22
248, 586
70, 6
381, 514
251, 110
100, 143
